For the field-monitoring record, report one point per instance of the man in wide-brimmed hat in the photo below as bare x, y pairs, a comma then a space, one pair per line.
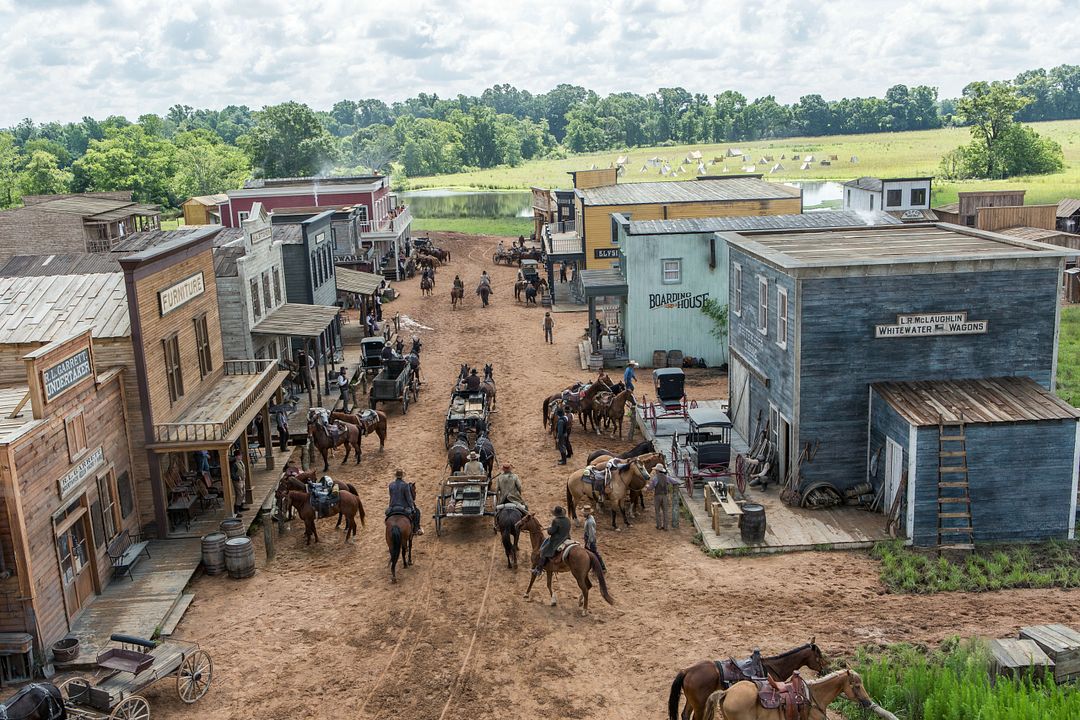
558, 533
628, 375
662, 485
508, 487
590, 534
402, 501
474, 466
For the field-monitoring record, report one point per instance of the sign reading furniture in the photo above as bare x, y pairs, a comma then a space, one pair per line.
66, 373
182, 292
931, 324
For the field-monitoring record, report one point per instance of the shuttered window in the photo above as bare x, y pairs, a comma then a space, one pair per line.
173, 375
256, 308
202, 344
110, 508
75, 429
127, 497
277, 287
267, 300
736, 289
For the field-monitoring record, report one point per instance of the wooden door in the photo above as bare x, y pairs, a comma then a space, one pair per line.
739, 399
76, 571
894, 469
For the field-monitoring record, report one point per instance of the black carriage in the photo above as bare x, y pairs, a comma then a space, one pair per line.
468, 413
502, 256
671, 403
704, 453
530, 270
371, 349
396, 382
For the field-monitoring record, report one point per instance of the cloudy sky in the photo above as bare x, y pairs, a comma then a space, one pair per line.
62, 59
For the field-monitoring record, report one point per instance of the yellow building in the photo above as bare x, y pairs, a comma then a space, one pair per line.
598, 194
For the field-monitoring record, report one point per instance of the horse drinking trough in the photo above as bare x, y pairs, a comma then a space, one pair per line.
463, 496
130, 668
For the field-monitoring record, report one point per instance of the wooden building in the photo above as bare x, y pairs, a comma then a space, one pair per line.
67, 489
670, 267
1067, 217
598, 195
819, 318
895, 195
965, 209
204, 209
88, 222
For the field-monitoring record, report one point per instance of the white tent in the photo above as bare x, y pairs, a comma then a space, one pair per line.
784, 157
735, 152
794, 157
724, 169
621, 160
776, 168
695, 155
644, 168
701, 168
809, 158
805, 166
747, 158
854, 159
749, 168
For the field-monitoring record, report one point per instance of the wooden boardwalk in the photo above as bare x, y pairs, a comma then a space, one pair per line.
788, 529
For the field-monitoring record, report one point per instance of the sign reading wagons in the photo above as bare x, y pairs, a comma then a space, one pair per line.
931, 324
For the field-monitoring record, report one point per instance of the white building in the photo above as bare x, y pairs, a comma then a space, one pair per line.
893, 195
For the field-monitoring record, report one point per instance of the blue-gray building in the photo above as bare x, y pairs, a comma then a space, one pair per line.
849, 346
307, 253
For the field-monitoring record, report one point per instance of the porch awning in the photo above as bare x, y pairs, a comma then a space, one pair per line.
601, 283
297, 320
355, 281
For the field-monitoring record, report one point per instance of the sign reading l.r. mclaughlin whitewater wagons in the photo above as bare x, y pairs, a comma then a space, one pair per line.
176, 295
66, 373
930, 324
681, 300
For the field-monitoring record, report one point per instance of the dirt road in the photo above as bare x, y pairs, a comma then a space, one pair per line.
321, 632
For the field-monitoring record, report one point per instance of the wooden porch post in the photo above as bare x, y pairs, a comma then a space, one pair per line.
244, 448
268, 436
318, 380
226, 477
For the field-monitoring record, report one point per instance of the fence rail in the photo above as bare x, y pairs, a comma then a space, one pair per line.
559, 228
387, 224
218, 430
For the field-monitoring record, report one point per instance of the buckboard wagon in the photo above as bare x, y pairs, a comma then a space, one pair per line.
130, 668
464, 496
468, 413
395, 383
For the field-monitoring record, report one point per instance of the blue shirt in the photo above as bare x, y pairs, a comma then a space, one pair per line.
628, 376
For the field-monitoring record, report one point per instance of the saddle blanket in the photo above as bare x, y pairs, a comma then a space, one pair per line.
565, 547
511, 506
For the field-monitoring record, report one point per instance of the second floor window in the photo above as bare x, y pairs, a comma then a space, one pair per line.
173, 374
763, 306
736, 291
781, 317
267, 301
672, 271
255, 307
277, 287
75, 429
202, 345
894, 198
918, 197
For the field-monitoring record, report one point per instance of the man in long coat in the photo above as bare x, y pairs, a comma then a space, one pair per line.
558, 533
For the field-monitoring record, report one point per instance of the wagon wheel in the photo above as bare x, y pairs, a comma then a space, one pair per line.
194, 676
740, 473
415, 389
74, 688
821, 495
439, 505
405, 400
131, 708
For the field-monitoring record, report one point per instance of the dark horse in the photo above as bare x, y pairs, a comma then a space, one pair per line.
349, 505
486, 450
36, 701
639, 449
458, 454
578, 561
705, 677
530, 295
506, 523
326, 436
484, 291
488, 386
300, 481
399, 539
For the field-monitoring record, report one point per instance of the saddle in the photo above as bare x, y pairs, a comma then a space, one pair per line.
368, 418
565, 547
793, 696
732, 670
598, 483
512, 506
399, 510
323, 498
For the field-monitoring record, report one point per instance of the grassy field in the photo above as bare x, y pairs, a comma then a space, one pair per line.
882, 155
510, 227
1069, 356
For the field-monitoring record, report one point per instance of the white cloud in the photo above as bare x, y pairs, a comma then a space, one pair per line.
62, 59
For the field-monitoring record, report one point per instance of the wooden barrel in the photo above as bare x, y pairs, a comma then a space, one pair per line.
233, 527
674, 358
752, 524
659, 358
213, 553
240, 557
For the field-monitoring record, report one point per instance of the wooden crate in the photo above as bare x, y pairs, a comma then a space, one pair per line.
1061, 644
1013, 657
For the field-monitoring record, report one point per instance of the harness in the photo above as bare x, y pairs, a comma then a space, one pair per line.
55, 705
323, 497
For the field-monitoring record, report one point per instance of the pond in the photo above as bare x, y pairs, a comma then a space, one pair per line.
820, 194
442, 203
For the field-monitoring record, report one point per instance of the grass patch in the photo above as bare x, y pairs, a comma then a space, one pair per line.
904, 154
1053, 564
1068, 378
953, 683
508, 227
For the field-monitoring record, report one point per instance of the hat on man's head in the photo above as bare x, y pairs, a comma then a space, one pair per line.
586, 509
399, 473
474, 455
660, 467
507, 466
558, 511
473, 372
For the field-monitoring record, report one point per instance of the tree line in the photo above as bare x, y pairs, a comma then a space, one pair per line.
188, 151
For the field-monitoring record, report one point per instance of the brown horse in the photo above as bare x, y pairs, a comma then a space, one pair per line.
349, 506
428, 261
637, 483
377, 426
611, 409
300, 481
326, 436
579, 403
457, 296
399, 540
703, 678
618, 489
426, 286
579, 561
740, 701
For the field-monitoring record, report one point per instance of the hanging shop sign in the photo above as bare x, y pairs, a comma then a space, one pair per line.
677, 301
66, 373
931, 324
182, 292
606, 253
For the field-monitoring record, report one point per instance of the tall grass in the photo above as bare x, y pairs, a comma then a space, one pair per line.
1069, 356
953, 683
507, 227
1054, 564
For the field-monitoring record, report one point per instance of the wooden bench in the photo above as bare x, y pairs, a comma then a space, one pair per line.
124, 553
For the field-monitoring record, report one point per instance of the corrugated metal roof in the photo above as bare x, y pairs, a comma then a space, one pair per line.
309, 181
355, 281
824, 219
297, 320
987, 400
597, 283
734, 188
43, 309
872, 184
1068, 207
69, 264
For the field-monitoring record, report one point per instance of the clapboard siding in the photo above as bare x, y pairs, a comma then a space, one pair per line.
235, 333
999, 218
885, 422
1014, 472
841, 357
297, 259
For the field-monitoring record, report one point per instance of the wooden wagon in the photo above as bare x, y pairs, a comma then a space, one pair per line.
395, 383
131, 667
468, 413
463, 496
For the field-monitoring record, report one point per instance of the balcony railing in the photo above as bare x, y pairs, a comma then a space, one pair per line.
218, 430
560, 228
387, 225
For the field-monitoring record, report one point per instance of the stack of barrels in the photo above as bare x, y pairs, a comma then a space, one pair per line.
229, 550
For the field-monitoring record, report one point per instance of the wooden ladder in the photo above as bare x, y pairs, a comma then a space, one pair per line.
955, 528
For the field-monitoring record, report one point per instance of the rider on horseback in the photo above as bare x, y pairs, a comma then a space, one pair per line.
508, 488
558, 533
402, 501
458, 282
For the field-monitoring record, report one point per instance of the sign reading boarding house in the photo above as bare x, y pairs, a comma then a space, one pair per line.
182, 292
931, 324
80, 472
66, 373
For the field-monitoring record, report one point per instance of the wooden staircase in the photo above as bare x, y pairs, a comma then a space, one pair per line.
955, 529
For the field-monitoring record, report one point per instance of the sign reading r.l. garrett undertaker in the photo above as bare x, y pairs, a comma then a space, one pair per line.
176, 295
67, 372
677, 300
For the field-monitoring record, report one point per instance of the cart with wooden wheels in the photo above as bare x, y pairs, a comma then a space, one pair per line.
396, 382
124, 671
463, 496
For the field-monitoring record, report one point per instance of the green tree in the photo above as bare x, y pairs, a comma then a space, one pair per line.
288, 141
206, 165
989, 109
372, 147
9, 160
718, 313
42, 175
129, 159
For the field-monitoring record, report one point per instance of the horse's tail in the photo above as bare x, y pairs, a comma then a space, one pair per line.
570, 502
507, 542
544, 410
599, 572
673, 696
717, 698
360, 509
395, 544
